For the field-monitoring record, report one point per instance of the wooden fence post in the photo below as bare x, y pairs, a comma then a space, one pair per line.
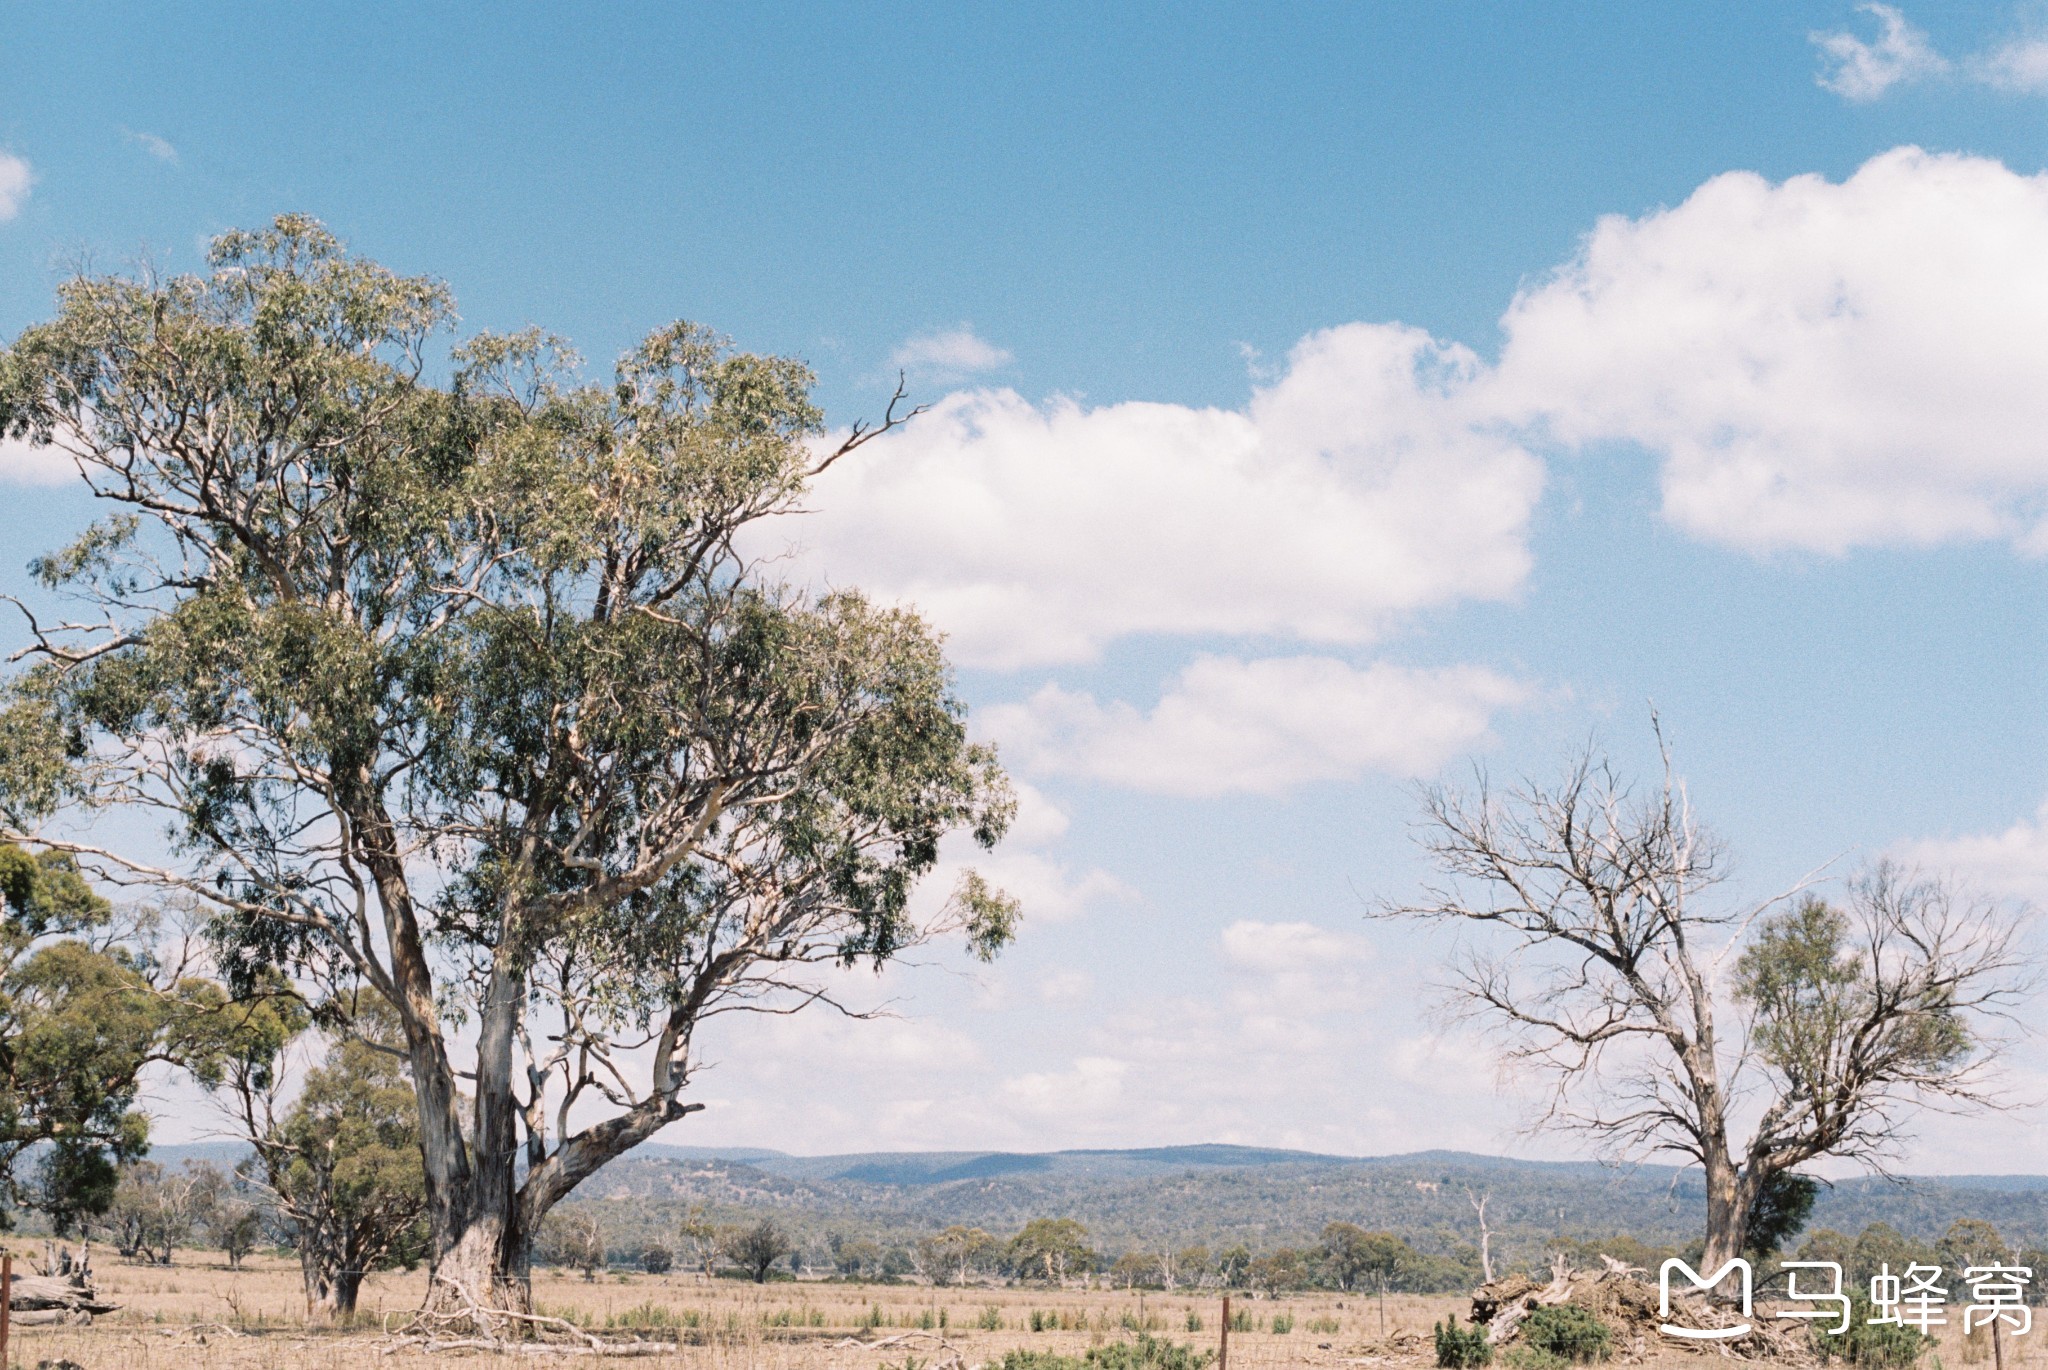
1222, 1348
6, 1303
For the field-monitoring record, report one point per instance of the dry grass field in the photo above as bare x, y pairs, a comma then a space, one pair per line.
197, 1313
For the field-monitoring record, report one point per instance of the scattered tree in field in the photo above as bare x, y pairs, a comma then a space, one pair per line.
1049, 1249
575, 1238
756, 1249
1133, 1269
465, 691
83, 1008
855, 1257
156, 1210
953, 1255
703, 1240
342, 1160
1840, 1017
657, 1259
1358, 1259
236, 1226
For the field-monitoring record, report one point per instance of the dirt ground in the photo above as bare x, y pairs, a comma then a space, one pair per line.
197, 1313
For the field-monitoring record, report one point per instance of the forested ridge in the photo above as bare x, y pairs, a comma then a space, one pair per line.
1260, 1199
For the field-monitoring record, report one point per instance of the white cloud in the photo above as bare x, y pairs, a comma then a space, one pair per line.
1819, 365
1856, 70
15, 180
1094, 1085
949, 354
2020, 66
21, 464
1291, 972
1049, 889
1231, 726
1066, 987
159, 148
1358, 487
2012, 863
1291, 948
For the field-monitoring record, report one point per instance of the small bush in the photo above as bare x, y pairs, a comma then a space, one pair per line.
1022, 1359
1325, 1324
646, 1315
1569, 1332
1527, 1357
1241, 1321
1283, 1323
1194, 1321
1457, 1348
1146, 1353
1872, 1346
991, 1319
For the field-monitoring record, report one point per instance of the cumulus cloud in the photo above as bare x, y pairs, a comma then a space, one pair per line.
949, 354
1050, 889
21, 464
1291, 948
1229, 726
1862, 71
1819, 365
1359, 486
2012, 863
15, 180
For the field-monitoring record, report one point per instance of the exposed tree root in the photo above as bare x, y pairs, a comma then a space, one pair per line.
463, 1323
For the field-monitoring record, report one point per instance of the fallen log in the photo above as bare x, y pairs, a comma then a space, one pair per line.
44, 1293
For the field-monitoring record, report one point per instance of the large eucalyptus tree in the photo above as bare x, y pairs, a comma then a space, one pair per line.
456, 683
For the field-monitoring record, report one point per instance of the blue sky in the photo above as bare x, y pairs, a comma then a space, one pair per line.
1329, 397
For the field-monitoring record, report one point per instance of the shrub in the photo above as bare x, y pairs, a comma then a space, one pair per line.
1283, 1323
1458, 1348
1022, 1359
1241, 1321
991, 1319
1325, 1324
1144, 1353
1527, 1357
651, 1315
657, 1260
1194, 1321
1147, 1352
1872, 1346
1569, 1332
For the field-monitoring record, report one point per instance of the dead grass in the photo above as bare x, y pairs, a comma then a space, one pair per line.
197, 1313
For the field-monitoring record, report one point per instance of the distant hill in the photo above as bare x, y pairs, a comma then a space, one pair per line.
1219, 1196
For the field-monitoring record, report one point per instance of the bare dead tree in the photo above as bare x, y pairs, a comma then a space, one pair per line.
1745, 1038
1479, 1203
